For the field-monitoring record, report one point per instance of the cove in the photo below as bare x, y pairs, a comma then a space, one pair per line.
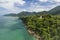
11, 28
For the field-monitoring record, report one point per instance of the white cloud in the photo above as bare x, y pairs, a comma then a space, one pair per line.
43, 0
56, 0
9, 4
37, 7
13, 1
49, 0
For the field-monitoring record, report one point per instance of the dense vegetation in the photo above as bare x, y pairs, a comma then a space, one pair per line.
46, 26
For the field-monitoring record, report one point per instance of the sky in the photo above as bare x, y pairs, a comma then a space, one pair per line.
16, 6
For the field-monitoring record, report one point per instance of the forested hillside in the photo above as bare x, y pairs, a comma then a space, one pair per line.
55, 10
46, 26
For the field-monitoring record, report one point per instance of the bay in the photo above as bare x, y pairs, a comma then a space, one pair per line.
11, 28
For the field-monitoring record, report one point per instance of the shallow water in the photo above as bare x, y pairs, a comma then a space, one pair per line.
13, 29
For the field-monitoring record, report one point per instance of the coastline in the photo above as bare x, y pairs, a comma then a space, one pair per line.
31, 32
34, 35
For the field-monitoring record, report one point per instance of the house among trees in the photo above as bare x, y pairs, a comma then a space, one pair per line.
41, 17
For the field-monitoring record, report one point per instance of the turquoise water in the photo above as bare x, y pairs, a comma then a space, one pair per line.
13, 29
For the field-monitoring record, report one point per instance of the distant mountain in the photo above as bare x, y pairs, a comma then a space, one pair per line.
11, 14
24, 13
21, 14
55, 10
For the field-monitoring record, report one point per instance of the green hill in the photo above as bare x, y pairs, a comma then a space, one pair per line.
55, 10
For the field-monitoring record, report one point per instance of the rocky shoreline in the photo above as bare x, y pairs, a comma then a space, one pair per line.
30, 31
35, 35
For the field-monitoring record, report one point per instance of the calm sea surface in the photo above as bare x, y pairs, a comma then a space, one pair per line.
13, 29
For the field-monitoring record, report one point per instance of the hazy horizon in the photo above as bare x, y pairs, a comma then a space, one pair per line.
16, 6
